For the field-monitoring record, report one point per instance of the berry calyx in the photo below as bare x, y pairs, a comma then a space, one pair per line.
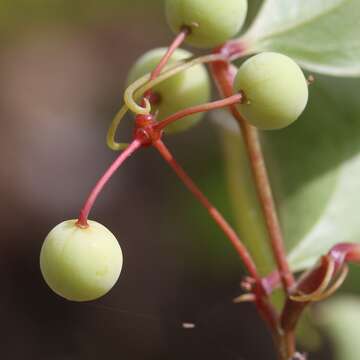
275, 88
80, 263
146, 131
210, 22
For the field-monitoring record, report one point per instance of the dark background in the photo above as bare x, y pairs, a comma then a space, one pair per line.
63, 65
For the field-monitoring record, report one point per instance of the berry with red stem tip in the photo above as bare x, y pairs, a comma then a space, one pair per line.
80, 263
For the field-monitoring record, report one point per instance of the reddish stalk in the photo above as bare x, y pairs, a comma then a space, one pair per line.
214, 213
224, 74
89, 203
267, 202
179, 39
263, 305
232, 100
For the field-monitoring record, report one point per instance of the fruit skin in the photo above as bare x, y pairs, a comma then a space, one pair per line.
276, 90
216, 21
80, 264
188, 88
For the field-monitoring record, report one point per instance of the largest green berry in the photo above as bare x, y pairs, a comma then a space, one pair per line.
211, 22
80, 264
188, 88
275, 89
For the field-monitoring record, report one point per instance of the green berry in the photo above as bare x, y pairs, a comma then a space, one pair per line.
188, 88
275, 89
211, 22
80, 264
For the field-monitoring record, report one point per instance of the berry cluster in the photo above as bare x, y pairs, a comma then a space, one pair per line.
169, 91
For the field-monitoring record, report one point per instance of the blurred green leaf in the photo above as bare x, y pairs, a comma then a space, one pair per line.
19, 16
323, 36
314, 167
340, 319
308, 333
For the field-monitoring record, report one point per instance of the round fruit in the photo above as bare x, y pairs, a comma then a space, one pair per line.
80, 264
211, 22
275, 88
188, 88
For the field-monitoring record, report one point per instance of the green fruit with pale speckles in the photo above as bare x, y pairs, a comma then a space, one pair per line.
275, 89
188, 88
80, 264
211, 22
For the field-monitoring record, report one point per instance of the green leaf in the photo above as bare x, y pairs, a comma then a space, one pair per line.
315, 170
308, 334
340, 319
321, 35
314, 166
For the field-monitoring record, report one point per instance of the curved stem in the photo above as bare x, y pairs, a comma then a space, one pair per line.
110, 137
140, 86
89, 203
232, 100
214, 213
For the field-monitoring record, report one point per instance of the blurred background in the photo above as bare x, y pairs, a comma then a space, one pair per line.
63, 65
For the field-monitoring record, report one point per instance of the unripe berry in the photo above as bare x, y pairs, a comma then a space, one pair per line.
188, 88
275, 89
211, 22
80, 264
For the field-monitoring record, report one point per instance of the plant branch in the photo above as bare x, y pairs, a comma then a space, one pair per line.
179, 39
214, 213
224, 74
262, 183
264, 307
234, 99
140, 86
89, 203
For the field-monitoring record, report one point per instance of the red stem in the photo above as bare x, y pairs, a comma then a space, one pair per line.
268, 205
214, 213
179, 39
84, 213
232, 100
224, 73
